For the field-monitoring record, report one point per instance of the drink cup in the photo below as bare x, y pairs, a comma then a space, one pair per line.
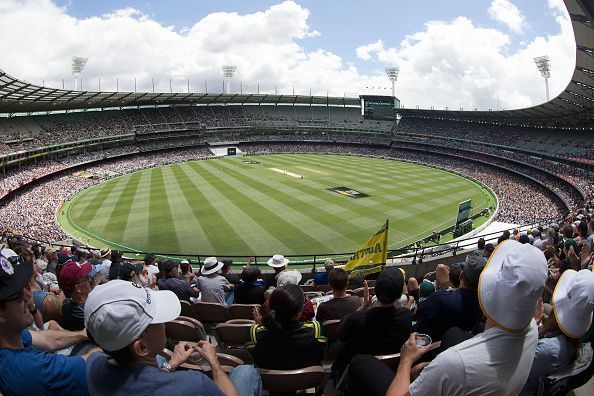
423, 340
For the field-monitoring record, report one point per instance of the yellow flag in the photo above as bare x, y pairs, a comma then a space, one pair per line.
371, 257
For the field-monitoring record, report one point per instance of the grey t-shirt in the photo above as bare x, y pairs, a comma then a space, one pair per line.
105, 378
494, 362
213, 288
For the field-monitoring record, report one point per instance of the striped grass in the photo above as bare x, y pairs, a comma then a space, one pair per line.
227, 208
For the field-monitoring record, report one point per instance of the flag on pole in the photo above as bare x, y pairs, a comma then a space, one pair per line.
371, 257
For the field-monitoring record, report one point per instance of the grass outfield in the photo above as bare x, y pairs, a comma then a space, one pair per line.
228, 208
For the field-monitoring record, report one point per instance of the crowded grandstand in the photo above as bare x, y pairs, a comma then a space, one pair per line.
504, 310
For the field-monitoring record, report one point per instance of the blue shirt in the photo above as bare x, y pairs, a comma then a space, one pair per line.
448, 308
553, 354
110, 379
182, 289
30, 371
321, 278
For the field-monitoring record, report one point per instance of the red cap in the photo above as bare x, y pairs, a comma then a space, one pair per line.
71, 274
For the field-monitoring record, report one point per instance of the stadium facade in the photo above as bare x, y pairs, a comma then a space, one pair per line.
572, 108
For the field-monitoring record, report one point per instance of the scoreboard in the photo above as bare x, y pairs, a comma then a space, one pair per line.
376, 107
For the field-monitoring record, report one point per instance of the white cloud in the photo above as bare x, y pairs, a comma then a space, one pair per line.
459, 65
509, 14
452, 63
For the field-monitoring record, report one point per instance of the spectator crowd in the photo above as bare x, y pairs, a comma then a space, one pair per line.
77, 320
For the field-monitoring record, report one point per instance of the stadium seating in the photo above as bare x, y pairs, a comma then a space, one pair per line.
185, 329
228, 362
290, 381
243, 311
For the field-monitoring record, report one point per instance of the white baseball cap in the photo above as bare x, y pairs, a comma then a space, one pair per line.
118, 312
511, 283
573, 302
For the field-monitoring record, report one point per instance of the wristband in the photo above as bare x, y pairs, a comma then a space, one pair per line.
167, 367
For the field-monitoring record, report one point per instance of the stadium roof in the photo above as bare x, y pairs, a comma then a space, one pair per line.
573, 108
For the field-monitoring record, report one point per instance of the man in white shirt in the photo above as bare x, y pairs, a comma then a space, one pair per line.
497, 361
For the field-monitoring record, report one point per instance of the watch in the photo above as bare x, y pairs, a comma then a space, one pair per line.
167, 366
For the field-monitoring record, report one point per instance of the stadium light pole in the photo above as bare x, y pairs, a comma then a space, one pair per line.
78, 64
228, 72
392, 73
544, 66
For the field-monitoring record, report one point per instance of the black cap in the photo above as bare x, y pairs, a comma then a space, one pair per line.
169, 265
64, 258
389, 285
15, 273
128, 270
473, 267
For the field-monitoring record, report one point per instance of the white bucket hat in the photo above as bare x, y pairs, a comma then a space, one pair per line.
118, 312
210, 266
277, 261
511, 283
573, 302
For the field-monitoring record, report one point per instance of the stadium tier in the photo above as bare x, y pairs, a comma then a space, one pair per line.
476, 277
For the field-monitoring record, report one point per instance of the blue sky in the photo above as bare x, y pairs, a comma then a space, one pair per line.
343, 24
459, 54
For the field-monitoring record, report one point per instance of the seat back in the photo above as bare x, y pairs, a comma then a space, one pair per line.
323, 288
241, 321
360, 292
575, 376
307, 288
211, 312
312, 294
291, 380
232, 334
228, 362
243, 311
199, 326
330, 328
391, 361
186, 309
182, 330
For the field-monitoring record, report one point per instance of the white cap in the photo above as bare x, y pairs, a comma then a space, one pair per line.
511, 283
573, 302
277, 261
118, 312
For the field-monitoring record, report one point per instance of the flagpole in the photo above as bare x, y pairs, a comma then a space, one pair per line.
386, 243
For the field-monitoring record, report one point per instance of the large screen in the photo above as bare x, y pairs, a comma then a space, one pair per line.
379, 107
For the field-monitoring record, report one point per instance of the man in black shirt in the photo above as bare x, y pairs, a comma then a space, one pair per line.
380, 330
170, 282
226, 272
249, 291
116, 264
455, 307
76, 285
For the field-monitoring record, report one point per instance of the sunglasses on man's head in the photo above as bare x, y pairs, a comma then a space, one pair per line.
19, 296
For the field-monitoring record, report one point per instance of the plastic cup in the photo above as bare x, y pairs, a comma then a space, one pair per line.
423, 340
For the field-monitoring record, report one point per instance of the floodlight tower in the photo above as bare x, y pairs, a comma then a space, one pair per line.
228, 72
78, 64
392, 73
544, 66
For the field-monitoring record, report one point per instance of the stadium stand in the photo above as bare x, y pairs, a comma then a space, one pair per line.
531, 293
